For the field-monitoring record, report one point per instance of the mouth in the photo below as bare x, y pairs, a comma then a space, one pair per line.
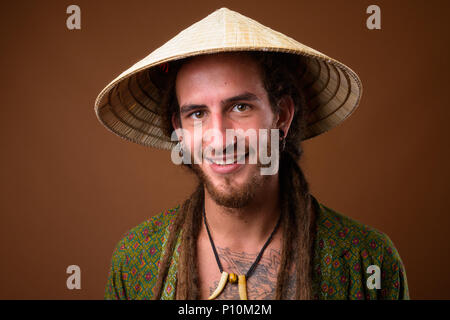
225, 166
224, 161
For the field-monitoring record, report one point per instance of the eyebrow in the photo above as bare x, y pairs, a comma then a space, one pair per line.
246, 96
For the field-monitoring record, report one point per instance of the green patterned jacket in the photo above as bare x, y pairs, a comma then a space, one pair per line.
344, 249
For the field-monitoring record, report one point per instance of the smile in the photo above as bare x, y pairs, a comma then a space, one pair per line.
224, 161
223, 166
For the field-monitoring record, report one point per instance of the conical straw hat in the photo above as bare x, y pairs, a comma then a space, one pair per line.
128, 106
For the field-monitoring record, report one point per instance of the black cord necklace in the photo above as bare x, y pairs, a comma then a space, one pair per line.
232, 278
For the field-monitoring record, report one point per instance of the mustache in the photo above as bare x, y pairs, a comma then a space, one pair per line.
230, 150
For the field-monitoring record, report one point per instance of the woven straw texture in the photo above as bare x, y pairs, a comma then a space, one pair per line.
129, 105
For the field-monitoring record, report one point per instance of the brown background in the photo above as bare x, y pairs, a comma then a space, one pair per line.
70, 189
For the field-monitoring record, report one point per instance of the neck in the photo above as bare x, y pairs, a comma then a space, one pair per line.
244, 228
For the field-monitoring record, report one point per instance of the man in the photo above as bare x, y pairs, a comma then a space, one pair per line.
244, 233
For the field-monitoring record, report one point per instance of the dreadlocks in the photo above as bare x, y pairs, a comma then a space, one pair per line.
278, 71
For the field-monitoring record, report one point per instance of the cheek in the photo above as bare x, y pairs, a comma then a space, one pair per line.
195, 145
265, 118
259, 121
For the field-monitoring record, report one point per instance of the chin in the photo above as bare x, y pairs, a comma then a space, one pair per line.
234, 180
232, 190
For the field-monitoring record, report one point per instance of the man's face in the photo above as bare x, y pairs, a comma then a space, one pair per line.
220, 92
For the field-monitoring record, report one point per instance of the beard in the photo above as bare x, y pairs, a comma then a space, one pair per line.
228, 194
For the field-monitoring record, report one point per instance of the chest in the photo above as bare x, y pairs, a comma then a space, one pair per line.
262, 282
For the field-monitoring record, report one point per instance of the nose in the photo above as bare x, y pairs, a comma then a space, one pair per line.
215, 132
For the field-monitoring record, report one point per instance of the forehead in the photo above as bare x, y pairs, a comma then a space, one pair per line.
223, 74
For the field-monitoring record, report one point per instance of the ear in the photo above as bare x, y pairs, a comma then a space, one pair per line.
286, 114
176, 121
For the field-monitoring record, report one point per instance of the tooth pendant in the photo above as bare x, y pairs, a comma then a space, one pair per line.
232, 278
220, 287
242, 287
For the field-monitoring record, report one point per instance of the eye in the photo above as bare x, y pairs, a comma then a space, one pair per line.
241, 107
197, 115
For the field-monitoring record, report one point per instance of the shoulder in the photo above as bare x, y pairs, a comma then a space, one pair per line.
345, 232
148, 234
135, 259
354, 251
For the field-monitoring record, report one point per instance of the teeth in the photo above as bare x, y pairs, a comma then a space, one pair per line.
222, 163
226, 162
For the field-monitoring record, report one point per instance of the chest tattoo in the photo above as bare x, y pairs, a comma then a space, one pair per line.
262, 283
